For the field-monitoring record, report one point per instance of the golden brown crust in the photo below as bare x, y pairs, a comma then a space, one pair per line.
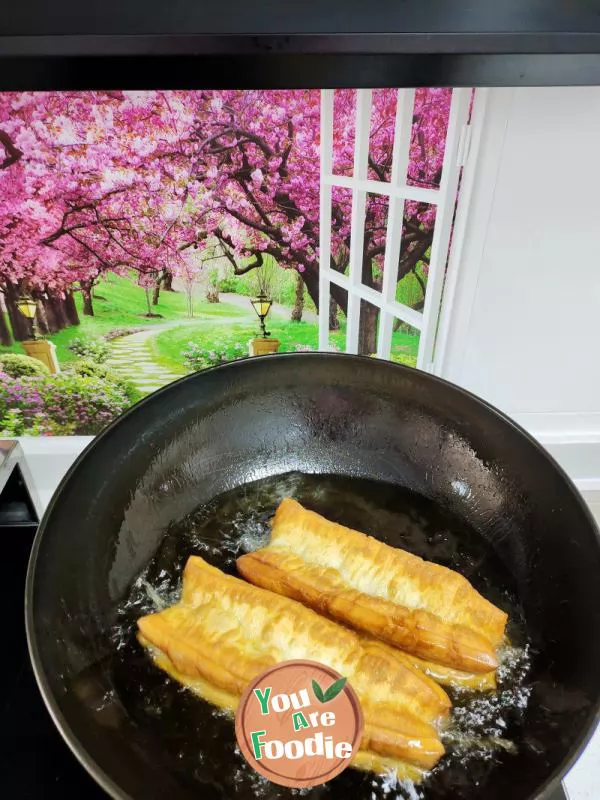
224, 632
454, 678
417, 606
390, 742
365, 759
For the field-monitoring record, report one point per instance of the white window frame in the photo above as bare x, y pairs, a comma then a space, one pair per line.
398, 192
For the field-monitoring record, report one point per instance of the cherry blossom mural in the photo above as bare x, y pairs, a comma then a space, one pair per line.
103, 194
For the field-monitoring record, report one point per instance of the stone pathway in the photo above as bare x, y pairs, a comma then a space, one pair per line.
133, 359
132, 356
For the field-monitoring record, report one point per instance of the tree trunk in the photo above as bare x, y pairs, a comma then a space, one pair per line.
5, 334
310, 276
369, 314
42, 320
334, 323
148, 302
367, 334
168, 281
50, 314
189, 297
21, 326
86, 294
71, 309
156, 293
299, 299
58, 307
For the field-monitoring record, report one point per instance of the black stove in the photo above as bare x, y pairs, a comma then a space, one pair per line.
35, 763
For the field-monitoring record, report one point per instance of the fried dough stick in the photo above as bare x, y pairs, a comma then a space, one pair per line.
419, 607
224, 632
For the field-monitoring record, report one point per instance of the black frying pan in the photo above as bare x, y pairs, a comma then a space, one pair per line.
390, 450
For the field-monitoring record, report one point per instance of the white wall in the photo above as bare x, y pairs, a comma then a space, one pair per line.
48, 459
524, 326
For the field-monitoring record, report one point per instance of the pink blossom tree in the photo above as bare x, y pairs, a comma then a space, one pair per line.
126, 182
91, 182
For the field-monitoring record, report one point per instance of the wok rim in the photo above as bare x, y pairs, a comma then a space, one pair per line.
96, 770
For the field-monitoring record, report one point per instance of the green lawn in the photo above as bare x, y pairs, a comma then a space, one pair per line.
123, 306
168, 345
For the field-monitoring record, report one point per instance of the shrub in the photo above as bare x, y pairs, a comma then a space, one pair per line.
90, 369
229, 285
18, 366
404, 358
196, 357
61, 404
116, 333
94, 349
130, 391
14, 424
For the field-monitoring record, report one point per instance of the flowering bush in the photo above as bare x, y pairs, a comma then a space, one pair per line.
95, 349
61, 404
196, 357
19, 366
14, 424
91, 369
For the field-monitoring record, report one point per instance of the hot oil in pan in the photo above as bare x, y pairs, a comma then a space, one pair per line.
197, 742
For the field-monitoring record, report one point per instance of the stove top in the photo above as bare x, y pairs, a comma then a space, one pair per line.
34, 760
35, 763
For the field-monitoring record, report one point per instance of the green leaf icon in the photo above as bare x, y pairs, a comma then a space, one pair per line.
333, 691
318, 692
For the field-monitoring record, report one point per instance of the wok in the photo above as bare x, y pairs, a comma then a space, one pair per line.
383, 430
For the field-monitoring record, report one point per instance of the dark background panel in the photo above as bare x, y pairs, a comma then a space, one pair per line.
271, 71
39, 17
68, 44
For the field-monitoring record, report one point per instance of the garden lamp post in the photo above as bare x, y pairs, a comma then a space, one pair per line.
28, 307
40, 349
262, 304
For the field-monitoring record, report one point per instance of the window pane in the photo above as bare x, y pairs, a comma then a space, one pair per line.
381, 135
341, 217
428, 137
337, 318
344, 129
411, 289
413, 268
376, 222
405, 344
